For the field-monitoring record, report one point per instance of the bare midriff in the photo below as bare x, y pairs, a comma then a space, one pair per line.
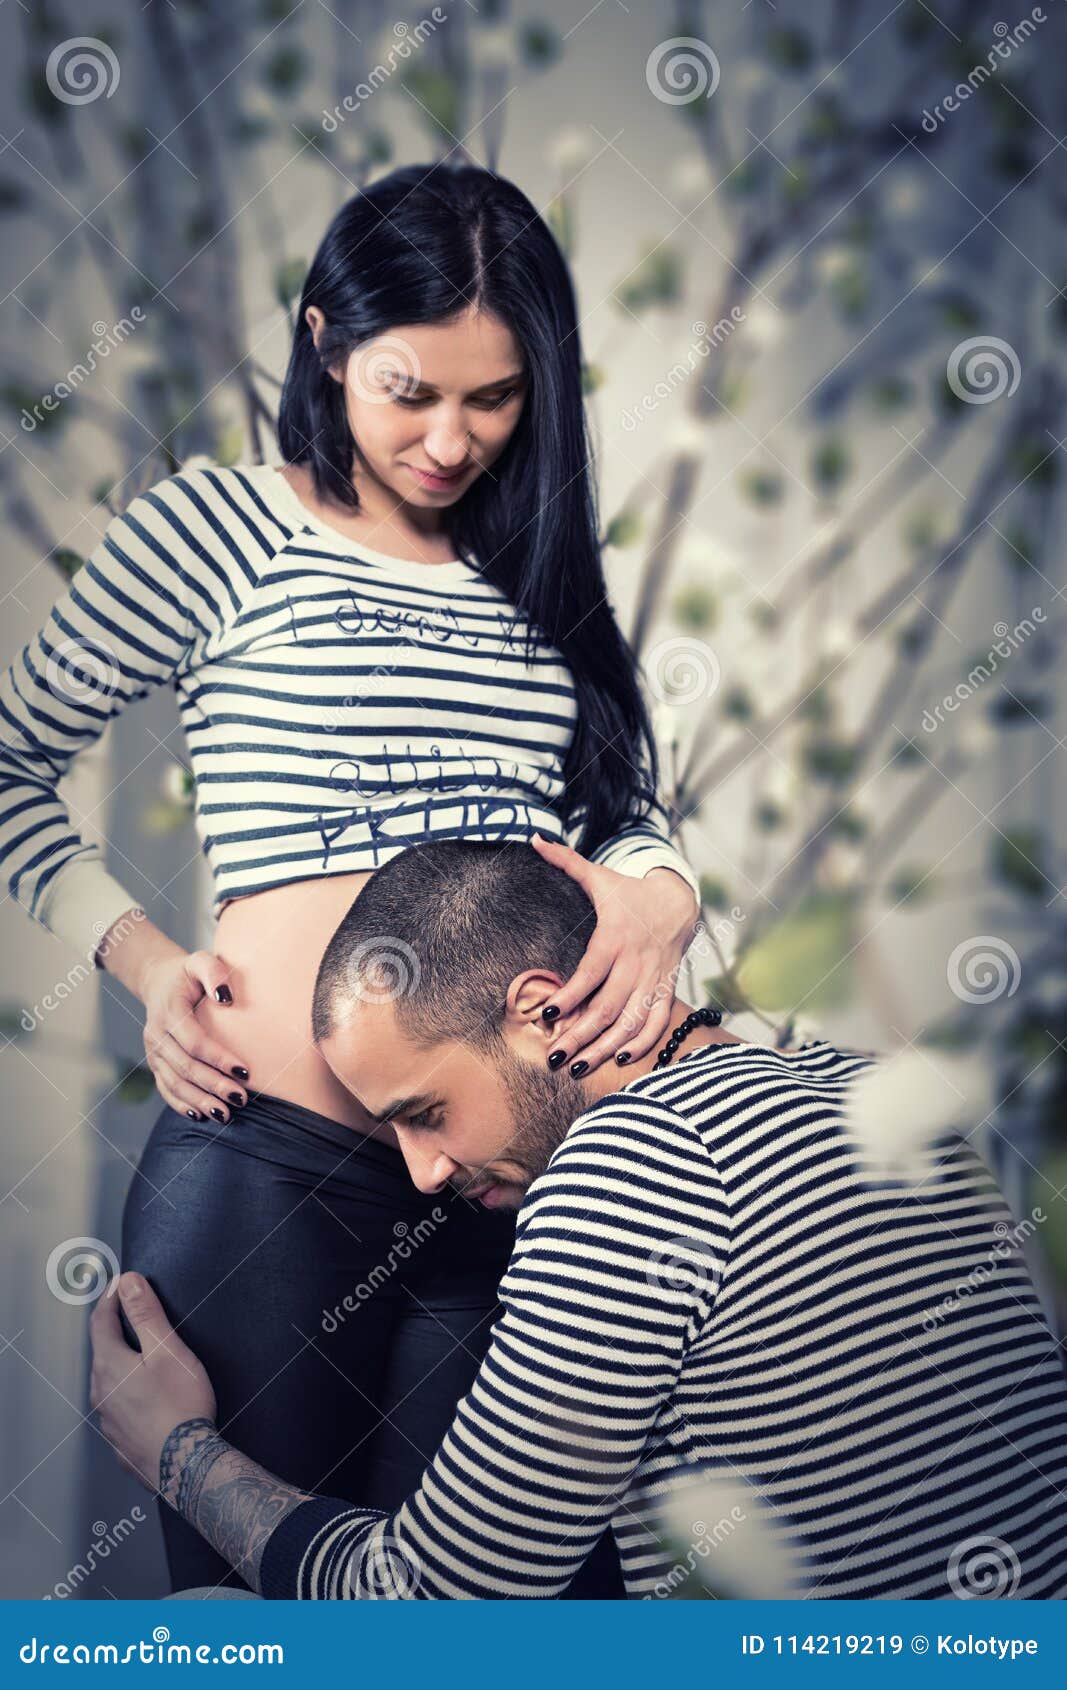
272, 943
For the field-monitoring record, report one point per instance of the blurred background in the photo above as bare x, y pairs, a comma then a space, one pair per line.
820, 258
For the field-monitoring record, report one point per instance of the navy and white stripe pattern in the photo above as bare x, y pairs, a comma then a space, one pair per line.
703, 1282
339, 704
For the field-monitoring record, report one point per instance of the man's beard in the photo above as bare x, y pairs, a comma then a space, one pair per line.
543, 1109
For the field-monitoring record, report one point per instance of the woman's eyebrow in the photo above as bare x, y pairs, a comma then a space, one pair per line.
513, 380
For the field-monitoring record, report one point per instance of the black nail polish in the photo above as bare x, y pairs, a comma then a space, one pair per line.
239, 1073
578, 1069
236, 1099
193, 1115
223, 994
556, 1058
217, 1115
622, 1057
550, 1012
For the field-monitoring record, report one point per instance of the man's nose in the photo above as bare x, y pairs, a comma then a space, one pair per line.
429, 1169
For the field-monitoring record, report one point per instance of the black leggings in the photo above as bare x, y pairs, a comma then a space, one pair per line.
340, 1314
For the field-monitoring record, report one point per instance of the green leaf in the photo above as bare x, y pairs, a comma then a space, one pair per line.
720, 993
539, 44
623, 529
437, 92
790, 48
1017, 860
891, 393
285, 70
909, 886
68, 562
289, 280
763, 487
802, 958
714, 892
135, 1084
230, 446
695, 607
656, 280
830, 760
737, 704
830, 464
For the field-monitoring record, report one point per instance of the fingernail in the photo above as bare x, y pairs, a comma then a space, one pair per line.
622, 1057
578, 1069
218, 1116
194, 1115
239, 1073
236, 1098
556, 1058
550, 1012
223, 994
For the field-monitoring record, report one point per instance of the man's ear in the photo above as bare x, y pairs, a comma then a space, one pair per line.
527, 997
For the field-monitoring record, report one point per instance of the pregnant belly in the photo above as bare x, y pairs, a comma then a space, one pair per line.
272, 944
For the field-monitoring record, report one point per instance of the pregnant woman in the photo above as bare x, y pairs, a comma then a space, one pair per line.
401, 634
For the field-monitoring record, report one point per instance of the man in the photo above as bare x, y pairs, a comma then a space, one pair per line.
703, 1282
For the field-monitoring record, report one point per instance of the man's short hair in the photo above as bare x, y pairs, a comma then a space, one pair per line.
442, 930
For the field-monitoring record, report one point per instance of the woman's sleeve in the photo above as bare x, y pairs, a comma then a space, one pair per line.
128, 622
603, 1297
644, 843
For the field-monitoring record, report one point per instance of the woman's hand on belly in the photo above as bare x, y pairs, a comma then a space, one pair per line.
196, 1071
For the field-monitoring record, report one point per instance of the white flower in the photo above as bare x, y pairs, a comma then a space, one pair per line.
763, 325
570, 149
689, 179
493, 48
976, 736
897, 1109
733, 1541
834, 260
688, 434
837, 636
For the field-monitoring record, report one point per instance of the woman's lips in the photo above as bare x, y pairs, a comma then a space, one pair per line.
437, 483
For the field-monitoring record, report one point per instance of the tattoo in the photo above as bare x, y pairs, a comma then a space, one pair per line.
181, 1444
230, 1500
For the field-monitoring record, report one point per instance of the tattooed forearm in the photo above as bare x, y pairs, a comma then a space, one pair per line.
231, 1501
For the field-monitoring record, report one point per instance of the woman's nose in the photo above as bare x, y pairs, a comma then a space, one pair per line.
446, 446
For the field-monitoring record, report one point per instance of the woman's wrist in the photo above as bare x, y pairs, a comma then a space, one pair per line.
132, 947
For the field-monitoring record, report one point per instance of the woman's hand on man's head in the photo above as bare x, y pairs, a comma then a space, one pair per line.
628, 975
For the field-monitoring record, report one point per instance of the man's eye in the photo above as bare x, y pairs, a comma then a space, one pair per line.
411, 399
422, 1119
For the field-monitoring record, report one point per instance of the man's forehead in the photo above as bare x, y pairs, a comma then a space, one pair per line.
378, 1064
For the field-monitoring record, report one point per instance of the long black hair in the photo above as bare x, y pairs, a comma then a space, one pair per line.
424, 244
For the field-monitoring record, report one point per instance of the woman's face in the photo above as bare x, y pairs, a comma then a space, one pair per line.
432, 406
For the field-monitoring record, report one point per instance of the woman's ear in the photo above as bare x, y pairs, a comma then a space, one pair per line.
317, 321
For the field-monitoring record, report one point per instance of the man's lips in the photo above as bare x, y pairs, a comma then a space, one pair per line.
481, 1192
